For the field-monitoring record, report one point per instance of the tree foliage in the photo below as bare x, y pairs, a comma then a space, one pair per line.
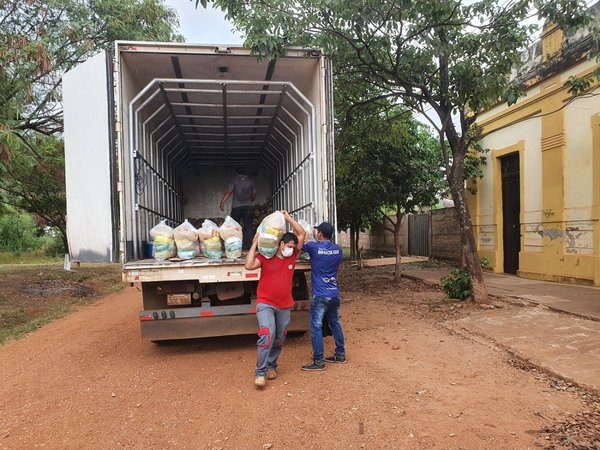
406, 162
39, 41
446, 59
42, 40
36, 182
385, 162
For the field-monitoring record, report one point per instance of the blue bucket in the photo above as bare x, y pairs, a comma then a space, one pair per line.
149, 249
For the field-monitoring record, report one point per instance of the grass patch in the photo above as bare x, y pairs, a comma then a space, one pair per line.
15, 324
35, 257
32, 295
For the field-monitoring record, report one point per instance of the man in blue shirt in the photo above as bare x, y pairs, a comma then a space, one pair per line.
325, 261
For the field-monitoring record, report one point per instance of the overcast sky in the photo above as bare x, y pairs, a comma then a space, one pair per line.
203, 26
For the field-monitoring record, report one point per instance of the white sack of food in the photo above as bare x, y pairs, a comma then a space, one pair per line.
211, 241
270, 231
231, 233
186, 240
163, 241
309, 236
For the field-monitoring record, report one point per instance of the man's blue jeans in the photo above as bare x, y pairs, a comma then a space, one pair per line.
272, 324
325, 307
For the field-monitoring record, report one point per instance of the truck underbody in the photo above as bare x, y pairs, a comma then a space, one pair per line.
203, 297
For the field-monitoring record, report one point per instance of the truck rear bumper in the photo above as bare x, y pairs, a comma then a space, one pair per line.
199, 327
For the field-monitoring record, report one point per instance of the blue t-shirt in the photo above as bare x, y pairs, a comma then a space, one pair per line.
325, 260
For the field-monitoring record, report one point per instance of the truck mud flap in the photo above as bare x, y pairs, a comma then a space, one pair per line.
199, 327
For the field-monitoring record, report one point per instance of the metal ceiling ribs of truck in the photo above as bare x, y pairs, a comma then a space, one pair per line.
212, 112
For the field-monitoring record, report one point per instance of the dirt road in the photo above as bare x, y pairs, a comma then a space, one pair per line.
88, 381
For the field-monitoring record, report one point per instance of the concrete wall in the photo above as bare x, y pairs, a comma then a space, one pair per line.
445, 236
376, 239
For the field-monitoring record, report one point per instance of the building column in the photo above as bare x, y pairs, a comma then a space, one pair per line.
596, 187
553, 184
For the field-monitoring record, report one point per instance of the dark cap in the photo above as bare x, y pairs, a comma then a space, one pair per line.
326, 229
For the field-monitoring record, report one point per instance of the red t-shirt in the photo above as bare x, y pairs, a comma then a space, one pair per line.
275, 284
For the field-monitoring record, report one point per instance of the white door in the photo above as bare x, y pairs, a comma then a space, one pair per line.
89, 162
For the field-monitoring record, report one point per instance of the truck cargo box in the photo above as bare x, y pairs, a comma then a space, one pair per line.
156, 131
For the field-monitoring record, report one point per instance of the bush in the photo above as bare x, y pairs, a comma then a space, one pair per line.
458, 283
52, 245
18, 233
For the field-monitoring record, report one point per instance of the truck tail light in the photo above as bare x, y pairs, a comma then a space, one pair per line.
146, 317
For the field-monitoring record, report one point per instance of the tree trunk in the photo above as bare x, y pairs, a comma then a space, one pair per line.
469, 249
358, 248
397, 229
352, 244
63, 235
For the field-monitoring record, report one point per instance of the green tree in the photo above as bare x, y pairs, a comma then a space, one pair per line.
356, 200
405, 162
447, 59
36, 183
356, 190
39, 41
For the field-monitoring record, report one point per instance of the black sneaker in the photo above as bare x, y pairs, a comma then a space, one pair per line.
335, 359
315, 365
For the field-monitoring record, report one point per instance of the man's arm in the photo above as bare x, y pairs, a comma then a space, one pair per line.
252, 262
226, 196
300, 232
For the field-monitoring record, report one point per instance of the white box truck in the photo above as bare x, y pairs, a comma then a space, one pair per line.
155, 131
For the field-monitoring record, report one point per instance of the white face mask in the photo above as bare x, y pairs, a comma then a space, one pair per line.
287, 251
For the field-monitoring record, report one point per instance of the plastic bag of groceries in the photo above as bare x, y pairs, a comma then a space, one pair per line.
186, 240
211, 242
164, 242
270, 231
231, 233
309, 236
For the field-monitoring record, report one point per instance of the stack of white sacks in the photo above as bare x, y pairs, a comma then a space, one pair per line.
185, 241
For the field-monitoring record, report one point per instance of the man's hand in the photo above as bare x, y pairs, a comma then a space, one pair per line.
226, 196
300, 232
252, 262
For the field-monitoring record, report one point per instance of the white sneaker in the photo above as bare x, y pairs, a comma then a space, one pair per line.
260, 381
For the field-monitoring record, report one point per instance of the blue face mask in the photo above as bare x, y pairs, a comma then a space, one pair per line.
287, 251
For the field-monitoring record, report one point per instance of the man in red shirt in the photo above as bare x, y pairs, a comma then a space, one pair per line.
274, 297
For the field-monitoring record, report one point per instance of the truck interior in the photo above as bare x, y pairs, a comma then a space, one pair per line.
191, 115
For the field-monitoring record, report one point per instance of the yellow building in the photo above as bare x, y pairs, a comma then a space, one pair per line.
537, 209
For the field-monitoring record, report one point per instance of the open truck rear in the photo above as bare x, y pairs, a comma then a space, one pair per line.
155, 131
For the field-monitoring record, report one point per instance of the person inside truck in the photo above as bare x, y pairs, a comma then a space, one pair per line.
274, 297
243, 192
325, 260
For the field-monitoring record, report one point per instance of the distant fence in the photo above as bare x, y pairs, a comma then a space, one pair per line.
435, 234
419, 234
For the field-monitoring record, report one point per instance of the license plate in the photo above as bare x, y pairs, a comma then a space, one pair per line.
179, 299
